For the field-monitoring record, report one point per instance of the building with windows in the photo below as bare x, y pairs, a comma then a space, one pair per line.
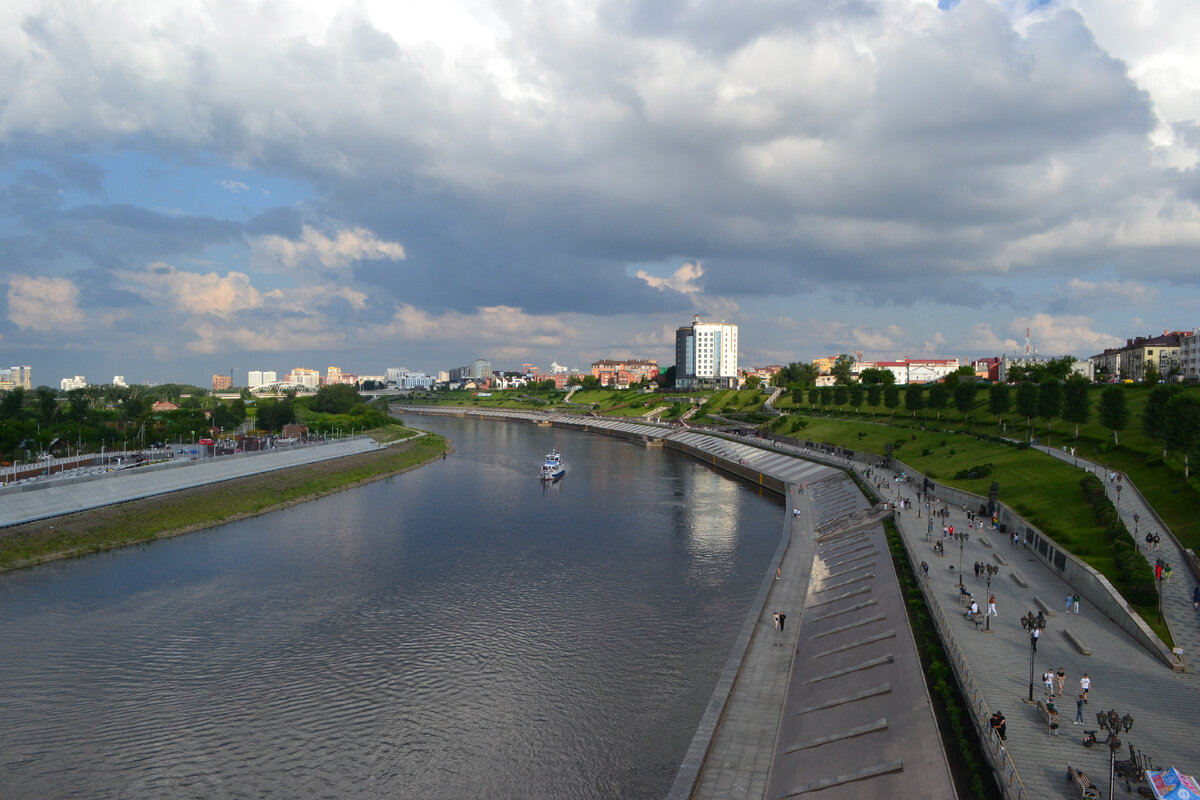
1164, 353
619, 374
706, 355
255, 378
67, 384
1189, 356
16, 377
334, 375
304, 377
119, 381
221, 383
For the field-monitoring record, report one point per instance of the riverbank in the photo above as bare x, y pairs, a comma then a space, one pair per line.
201, 507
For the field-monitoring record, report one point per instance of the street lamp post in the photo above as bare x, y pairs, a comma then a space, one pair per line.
962, 538
991, 570
1135, 525
1032, 645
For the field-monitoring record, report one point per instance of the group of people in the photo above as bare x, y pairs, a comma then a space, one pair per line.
1072, 602
779, 618
1152, 541
1162, 570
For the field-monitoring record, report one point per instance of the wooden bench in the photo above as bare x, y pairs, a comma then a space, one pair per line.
977, 619
1053, 718
1077, 643
1019, 578
1087, 789
1040, 603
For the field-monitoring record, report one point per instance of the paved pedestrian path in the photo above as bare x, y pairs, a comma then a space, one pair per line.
1124, 675
1181, 615
53, 498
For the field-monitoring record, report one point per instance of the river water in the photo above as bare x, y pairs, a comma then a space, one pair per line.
457, 631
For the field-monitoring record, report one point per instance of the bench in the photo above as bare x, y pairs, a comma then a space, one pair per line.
1000, 559
1087, 789
976, 618
985, 543
1040, 603
1019, 578
1053, 719
1077, 643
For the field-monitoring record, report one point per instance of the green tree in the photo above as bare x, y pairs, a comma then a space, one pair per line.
1076, 403
914, 397
13, 403
1027, 403
1049, 400
841, 395
857, 396
874, 394
891, 397
1150, 374
826, 396
964, 397
1183, 427
939, 397
1155, 421
814, 396
999, 401
337, 398
841, 369
1114, 410
47, 404
876, 375
591, 382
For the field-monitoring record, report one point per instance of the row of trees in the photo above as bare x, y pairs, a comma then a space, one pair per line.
1171, 414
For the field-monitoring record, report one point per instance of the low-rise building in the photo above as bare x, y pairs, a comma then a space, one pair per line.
621, 373
1189, 356
67, 384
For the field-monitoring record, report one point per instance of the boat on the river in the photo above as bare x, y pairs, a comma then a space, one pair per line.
553, 467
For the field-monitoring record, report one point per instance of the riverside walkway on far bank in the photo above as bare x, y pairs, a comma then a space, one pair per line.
19, 504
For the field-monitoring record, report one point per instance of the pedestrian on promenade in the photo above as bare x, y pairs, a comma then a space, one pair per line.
1079, 701
1034, 635
1196, 598
782, 619
1048, 680
1075, 603
1070, 600
1167, 572
1085, 686
992, 606
1156, 541
1040, 622
1149, 540
999, 725
775, 619
1062, 680
976, 570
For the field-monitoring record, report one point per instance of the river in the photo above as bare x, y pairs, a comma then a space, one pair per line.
460, 630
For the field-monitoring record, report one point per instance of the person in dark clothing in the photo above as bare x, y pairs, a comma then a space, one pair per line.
999, 725
782, 619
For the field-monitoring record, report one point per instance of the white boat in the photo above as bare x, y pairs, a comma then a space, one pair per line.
553, 467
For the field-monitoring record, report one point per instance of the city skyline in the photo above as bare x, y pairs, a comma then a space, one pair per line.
191, 186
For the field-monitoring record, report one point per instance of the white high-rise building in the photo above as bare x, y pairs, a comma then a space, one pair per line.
706, 355
119, 380
67, 384
256, 377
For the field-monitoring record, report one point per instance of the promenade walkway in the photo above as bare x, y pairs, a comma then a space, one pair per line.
1177, 605
52, 498
1124, 675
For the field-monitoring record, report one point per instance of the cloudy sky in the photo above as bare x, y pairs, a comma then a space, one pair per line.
194, 186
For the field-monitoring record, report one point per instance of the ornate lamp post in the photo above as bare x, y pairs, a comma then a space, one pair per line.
1135, 526
961, 537
991, 570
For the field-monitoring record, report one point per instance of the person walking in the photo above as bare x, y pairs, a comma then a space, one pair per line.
1062, 680
1079, 701
782, 619
1075, 603
775, 619
1070, 600
1048, 680
1085, 686
992, 606
1034, 635
1196, 598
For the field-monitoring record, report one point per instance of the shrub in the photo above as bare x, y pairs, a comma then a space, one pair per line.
974, 473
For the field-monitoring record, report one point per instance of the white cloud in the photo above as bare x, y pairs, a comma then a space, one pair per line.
43, 304
233, 186
1092, 295
1057, 335
348, 246
683, 280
